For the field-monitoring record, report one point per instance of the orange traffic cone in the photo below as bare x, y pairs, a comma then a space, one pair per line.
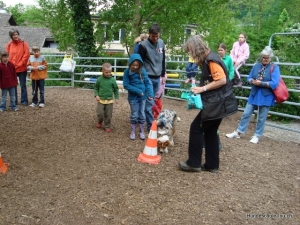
150, 151
3, 166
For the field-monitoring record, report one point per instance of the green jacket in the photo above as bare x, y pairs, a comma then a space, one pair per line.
105, 88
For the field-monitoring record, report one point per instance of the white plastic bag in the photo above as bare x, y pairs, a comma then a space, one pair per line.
68, 64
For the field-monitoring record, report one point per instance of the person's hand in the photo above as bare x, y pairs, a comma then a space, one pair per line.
97, 98
163, 80
256, 82
197, 90
150, 98
117, 101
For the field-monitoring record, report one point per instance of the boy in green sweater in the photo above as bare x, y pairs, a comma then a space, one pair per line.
105, 90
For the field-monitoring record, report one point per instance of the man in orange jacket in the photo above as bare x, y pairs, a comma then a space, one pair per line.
19, 54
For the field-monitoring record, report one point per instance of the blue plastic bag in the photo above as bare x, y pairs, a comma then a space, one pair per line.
185, 94
194, 101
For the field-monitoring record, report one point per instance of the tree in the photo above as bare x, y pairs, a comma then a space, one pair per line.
17, 11
30, 16
132, 18
172, 16
59, 16
83, 27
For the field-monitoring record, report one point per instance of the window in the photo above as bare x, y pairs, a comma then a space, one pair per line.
188, 31
118, 36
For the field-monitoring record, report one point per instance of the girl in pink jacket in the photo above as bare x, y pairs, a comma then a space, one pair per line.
239, 53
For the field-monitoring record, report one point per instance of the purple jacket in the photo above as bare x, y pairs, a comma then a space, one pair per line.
240, 53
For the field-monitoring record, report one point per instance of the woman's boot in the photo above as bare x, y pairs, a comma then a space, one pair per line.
142, 133
132, 134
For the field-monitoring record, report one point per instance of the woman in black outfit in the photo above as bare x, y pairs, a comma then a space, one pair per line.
218, 102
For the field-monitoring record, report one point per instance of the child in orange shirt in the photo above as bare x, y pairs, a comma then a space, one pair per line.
38, 67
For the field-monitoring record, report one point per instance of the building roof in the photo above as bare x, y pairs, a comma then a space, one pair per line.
32, 35
6, 19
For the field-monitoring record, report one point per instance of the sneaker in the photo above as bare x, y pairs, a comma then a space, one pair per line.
108, 130
2, 110
15, 109
254, 140
185, 167
99, 125
41, 105
187, 80
32, 105
234, 134
203, 168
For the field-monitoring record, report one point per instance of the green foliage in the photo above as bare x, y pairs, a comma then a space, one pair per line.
61, 24
83, 27
17, 11
30, 16
135, 18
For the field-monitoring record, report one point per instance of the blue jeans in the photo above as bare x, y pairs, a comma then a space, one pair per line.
137, 114
191, 70
24, 98
149, 103
38, 85
11, 92
262, 117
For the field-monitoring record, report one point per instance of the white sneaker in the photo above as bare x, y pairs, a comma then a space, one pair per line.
254, 140
234, 134
41, 105
32, 105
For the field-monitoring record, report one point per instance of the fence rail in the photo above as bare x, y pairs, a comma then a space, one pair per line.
120, 64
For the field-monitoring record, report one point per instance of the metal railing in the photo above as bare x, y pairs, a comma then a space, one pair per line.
120, 64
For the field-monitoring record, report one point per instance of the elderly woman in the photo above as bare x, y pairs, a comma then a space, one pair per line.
19, 54
218, 102
264, 78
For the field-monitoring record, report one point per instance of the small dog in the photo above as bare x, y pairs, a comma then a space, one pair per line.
166, 127
162, 143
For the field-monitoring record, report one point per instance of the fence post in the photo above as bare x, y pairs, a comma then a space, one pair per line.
72, 79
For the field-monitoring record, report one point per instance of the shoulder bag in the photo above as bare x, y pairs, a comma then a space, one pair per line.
281, 92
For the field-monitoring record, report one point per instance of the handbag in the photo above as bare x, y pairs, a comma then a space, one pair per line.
281, 92
68, 64
194, 101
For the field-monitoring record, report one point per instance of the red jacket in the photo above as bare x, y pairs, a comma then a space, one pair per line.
8, 76
18, 54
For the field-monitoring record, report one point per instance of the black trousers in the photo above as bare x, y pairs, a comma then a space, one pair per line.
196, 137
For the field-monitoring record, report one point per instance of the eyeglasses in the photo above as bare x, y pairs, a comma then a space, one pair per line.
265, 58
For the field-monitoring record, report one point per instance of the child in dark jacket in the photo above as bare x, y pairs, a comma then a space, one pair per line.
105, 90
8, 82
139, 87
